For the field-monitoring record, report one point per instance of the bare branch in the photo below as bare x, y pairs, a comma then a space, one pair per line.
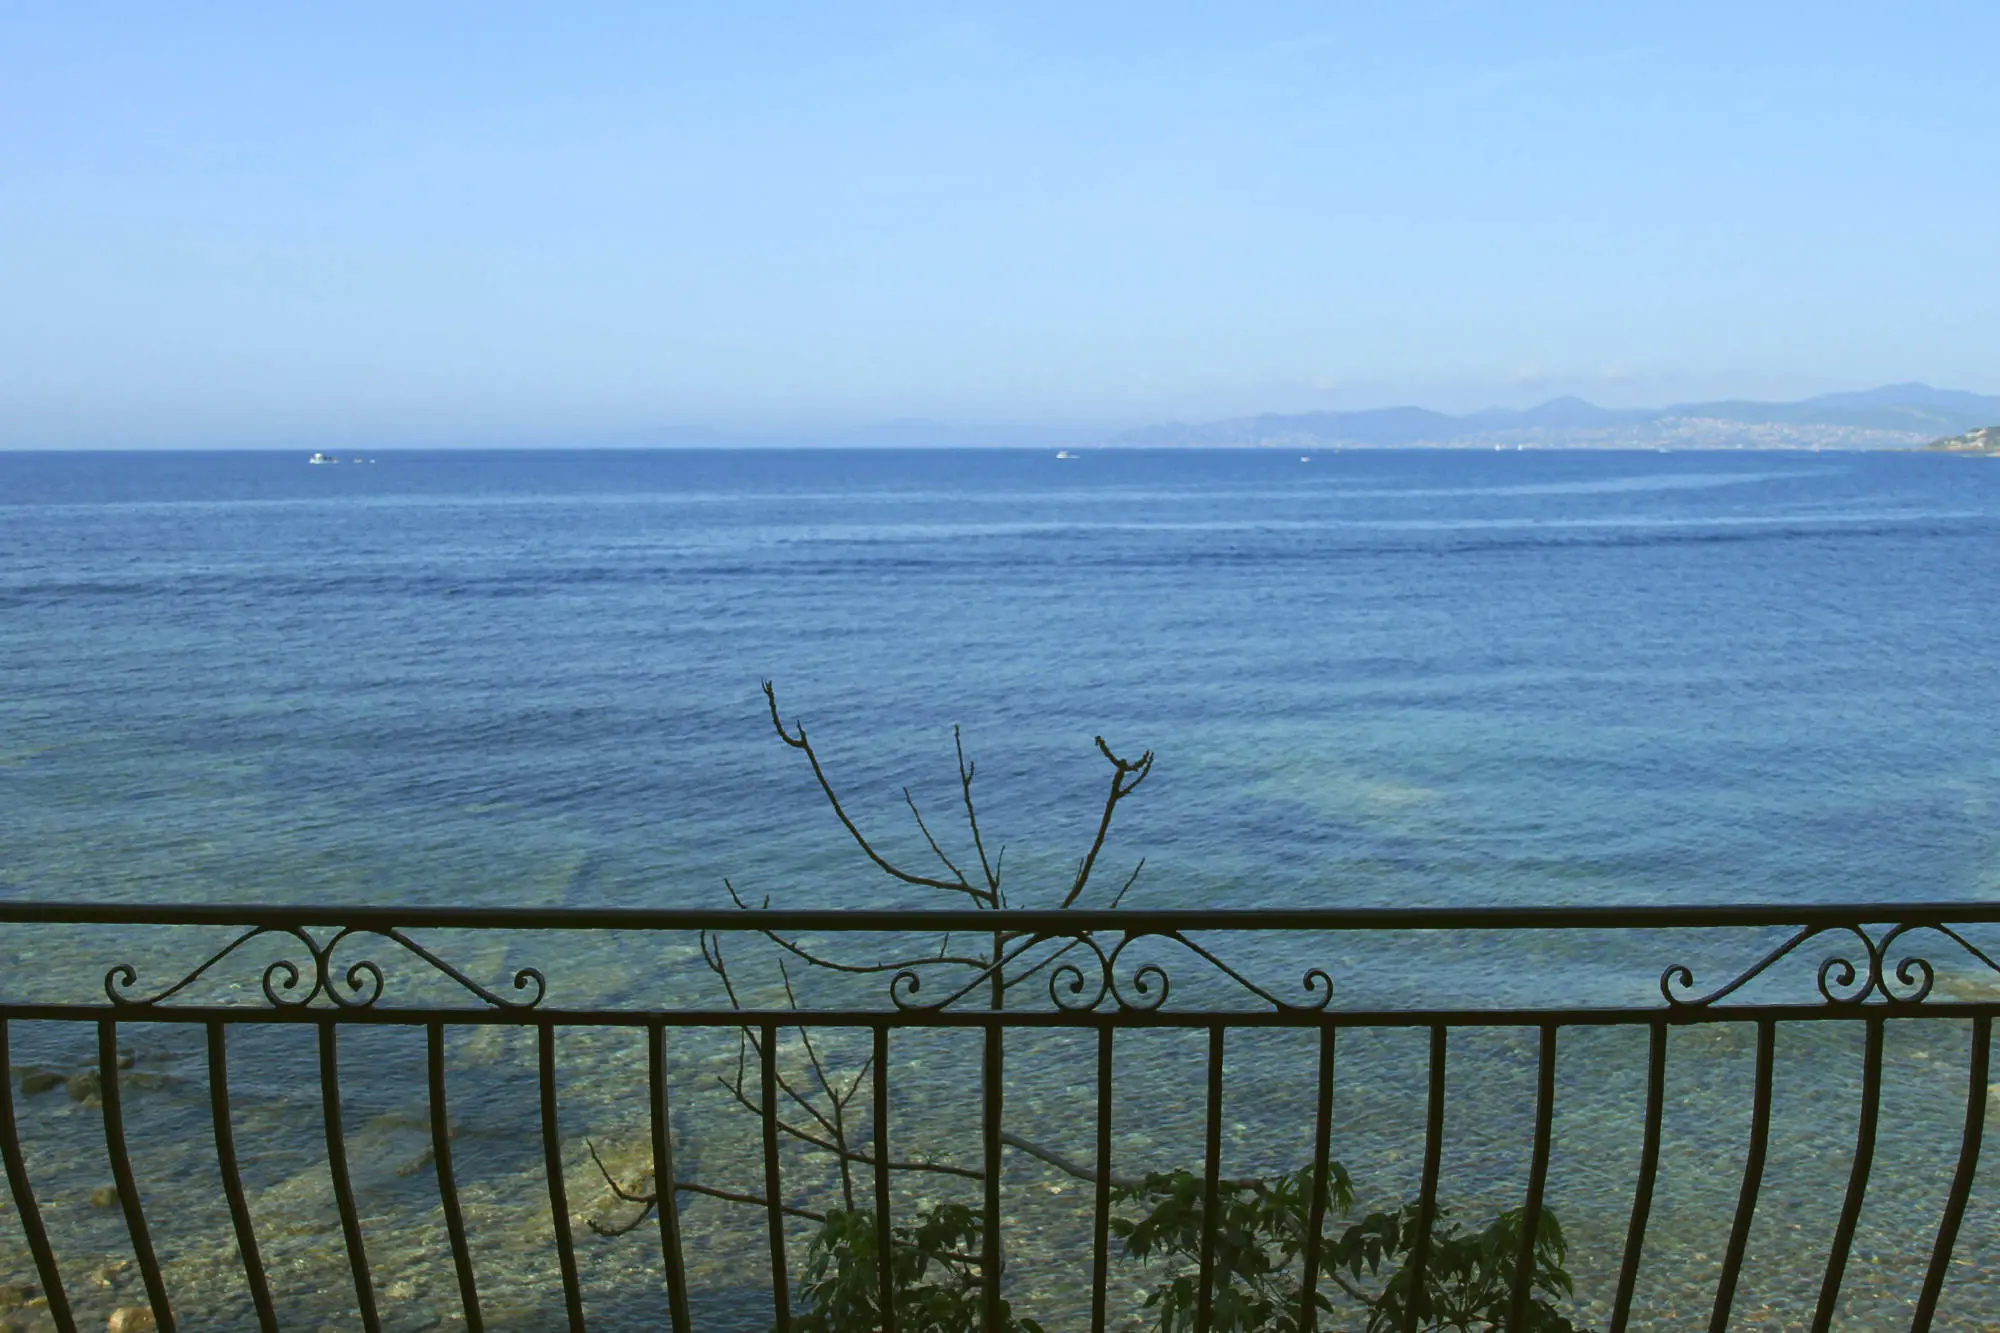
798, 950
1008, 983
827, 1129
934, 1168
1126, 775
831, 1126
924, 829
837, 1125
900, 965
612, 1230
747, 1040
806, 1136
689, 1186
734, 1196
854, 1088
819, 1072
616, 1188
1065, 1165
1125, 888
1078, 1170
758, 1200
802, 743
965, 771
711, 953
792, 1000
735, 1090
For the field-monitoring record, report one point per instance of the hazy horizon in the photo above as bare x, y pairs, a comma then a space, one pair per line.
373, 227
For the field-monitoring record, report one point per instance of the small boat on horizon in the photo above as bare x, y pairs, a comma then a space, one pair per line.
322, 458
1064, 454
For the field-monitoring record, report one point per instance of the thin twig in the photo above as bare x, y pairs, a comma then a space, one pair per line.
652, 1200
837, 1125
733, 1196
852, 1155
1008, 983
747, 1041
802, 743
1126, 775
965, 772
1130, 880
924, 829
1071, 1167
798, 950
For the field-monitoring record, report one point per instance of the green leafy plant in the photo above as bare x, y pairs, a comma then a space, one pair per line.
1259, 1236
1259, 1249
1260, 1245
1468, 1278
934, 1267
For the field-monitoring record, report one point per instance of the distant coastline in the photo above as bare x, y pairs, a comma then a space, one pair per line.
1981, 442
1897, 416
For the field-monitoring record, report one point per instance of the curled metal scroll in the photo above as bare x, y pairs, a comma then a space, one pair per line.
1073, 989
290, 984
1842, 978
1082, 985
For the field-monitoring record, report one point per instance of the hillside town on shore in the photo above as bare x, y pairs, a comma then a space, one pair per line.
1984, 441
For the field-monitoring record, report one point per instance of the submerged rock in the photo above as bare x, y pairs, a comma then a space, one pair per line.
33, 1318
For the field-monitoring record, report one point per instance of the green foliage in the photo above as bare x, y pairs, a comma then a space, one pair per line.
1259, 1250
1468, 1279
934, 1264
1259, 1235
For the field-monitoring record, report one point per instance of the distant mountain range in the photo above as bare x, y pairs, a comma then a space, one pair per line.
1894, 416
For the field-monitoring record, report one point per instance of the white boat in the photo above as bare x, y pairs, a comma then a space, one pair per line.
1064, 453
322, 458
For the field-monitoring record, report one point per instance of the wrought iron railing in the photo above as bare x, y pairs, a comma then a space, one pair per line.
1101, 973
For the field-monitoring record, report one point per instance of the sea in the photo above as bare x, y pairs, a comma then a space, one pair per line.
1366, 678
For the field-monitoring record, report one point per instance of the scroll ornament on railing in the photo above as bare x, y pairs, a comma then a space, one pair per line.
358, 985
1083, 986
1842, 979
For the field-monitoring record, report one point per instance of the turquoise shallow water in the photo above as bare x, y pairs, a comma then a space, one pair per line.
1373, 678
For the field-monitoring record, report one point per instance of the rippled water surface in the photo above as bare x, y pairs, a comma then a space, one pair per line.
1371, 678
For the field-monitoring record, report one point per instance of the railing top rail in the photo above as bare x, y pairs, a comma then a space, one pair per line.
1060, 922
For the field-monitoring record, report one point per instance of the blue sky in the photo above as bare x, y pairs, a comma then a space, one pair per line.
278, 223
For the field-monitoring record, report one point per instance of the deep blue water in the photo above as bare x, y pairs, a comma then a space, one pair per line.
1444, 677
